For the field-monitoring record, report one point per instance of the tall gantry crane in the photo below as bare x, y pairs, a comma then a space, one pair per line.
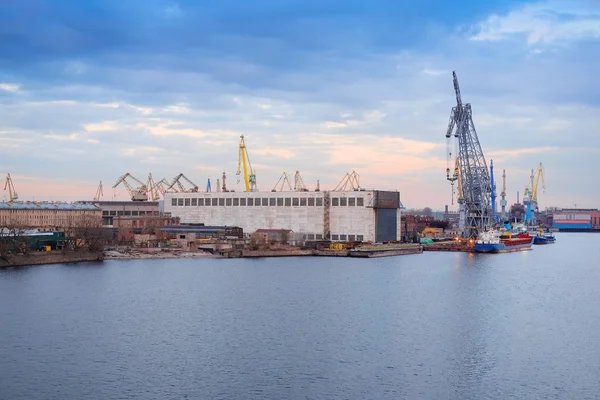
299, 185
249, 173
152, 189
350, 181
474, 174
530, 194
183, 189
493, 193
161, 187
503, 201
283, 179
99, 192
139, 193
8, 185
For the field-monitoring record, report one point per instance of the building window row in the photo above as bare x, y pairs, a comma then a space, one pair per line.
129, 213
349, 238
248, 202
347, 201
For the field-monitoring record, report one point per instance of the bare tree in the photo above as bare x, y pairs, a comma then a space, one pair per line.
12, 240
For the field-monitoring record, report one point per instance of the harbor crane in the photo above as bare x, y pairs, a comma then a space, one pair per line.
161, 187
493, 193
208, 188
8, 185
224, 181
299, 185
99, 192
182, 189
530, 194
474, 174
350, 181
139, 193
283, 179
503, 201
152, 190
249, 173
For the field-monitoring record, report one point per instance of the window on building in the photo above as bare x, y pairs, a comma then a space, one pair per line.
142, 212
104, 212
215, 202
259, 202
280, 201
343, 202
135, 213
174, 201
236, 201
113, 213
180, 202
194, 202
288, 201
360, 202
310, 236
222, 202
319, 202
351, 238
295, 201
119, 213
343, 237
335, 237
359, 238
201, 202
303, 201
311, 201
351, 201
266, 201
187, 202
335, 202
250, 201
228, 202
271, 200
243, 201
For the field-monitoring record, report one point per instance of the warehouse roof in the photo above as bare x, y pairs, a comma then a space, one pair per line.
46, 205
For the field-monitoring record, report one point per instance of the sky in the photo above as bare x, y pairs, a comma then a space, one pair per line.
92, 89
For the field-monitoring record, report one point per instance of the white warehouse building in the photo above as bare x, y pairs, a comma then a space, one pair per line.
366, 215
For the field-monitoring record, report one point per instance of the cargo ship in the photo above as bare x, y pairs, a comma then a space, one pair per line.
495, 242
544, 237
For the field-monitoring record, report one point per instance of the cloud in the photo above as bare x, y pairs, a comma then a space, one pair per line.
10, 87
542, 23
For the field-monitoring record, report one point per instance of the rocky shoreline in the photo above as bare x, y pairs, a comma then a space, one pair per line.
150, 254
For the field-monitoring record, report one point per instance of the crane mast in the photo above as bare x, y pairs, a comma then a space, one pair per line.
12, 193
99, 192
474, 174
493, 193
503, 195
283, 179
299, 185
249, 173
139, 193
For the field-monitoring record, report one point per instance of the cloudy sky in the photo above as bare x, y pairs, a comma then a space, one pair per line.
91, 89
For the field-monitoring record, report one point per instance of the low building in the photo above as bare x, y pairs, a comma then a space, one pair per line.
48, 215
362, 216
579, 219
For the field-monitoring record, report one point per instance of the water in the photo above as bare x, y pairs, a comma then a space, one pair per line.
430, 326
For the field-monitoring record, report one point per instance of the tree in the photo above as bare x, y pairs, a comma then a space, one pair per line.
427, 212
12, 240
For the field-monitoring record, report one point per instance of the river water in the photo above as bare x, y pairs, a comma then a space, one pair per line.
431, 326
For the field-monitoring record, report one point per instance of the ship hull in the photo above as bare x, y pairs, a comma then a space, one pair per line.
505, 246
544, 240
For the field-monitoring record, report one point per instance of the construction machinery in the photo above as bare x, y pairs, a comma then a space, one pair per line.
138, 193
162, 187
152, 192
224, 182
283, 179
99, 192
8, 185
299, 185
493, 193
181, 188
208, 188
530, 194
249, 173
503, 201
474, 174
350, 181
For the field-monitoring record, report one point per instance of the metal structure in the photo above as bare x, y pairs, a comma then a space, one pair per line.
224, 182
162, 187
249, 173
503, 202
350, 181
299, 185
530, 194
474, 174
181, 188
318, 188
99, 192
283, 179
152, 192
139, 193
8, 185
493, 194
208, 188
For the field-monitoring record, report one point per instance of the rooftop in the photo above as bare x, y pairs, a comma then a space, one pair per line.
46, 205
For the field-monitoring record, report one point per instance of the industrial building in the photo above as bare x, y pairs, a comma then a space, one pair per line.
576, 219
362, 216
48, 215
132, 214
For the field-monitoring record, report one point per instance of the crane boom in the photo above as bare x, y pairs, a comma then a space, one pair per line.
299, 185
12, 193
139, 193
182, 189
99, 192
249, 173
283, 179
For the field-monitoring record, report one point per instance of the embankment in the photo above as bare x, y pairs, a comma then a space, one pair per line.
43, 258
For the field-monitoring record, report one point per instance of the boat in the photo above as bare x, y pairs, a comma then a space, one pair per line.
544, 237
385, 250
494, 241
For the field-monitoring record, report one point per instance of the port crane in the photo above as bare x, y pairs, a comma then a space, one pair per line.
299, 185
530, 194
152, 190
161, 187
493, 193
139, 193
474, 174
208, 188
182, 189
249, 173
283, 179
503, 201
8, 185
350, 181
99, 192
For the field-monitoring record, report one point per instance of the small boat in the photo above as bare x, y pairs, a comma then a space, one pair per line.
544, 237
503, 242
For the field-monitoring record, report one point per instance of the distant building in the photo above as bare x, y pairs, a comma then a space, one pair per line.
567, 219
48, 215
283, 236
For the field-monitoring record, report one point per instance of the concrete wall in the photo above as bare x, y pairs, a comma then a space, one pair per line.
302, 218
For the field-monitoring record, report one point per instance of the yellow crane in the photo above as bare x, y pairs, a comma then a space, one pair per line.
249, 173
139, 193
99, 192
350, 181
284, 178
539, 174
161, 187
12, 193
182, 189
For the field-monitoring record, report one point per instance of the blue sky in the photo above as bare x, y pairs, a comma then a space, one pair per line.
90, 90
